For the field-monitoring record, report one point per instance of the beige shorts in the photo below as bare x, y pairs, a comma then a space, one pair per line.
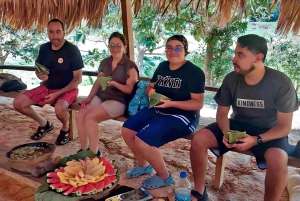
112, 107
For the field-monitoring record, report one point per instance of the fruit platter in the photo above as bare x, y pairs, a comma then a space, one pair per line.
80, 176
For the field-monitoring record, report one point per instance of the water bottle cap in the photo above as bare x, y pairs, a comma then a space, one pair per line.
182, 175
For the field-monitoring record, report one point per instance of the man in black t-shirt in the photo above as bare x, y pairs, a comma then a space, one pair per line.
59, 87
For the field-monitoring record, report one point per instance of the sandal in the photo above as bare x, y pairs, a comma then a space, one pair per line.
62, 138
138, 171
99, 153
39, 133
82, 150
156, 182
200, 197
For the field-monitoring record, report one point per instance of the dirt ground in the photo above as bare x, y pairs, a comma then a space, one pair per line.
242, 181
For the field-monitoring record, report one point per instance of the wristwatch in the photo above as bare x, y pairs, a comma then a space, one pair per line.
259, 140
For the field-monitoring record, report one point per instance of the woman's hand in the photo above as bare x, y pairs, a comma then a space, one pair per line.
165, 104
86, 101
111, 83
101, 74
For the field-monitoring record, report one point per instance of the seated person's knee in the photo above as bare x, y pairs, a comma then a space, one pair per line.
276, 159
201, 140
18, 103
60, 112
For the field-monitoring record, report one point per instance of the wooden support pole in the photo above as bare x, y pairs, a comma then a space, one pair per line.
73, 127
127, 27
219, 174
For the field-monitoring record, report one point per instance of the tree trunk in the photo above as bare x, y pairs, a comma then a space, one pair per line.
140, 60
208, 59
1, 56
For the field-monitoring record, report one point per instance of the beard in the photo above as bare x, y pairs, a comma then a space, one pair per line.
244, 72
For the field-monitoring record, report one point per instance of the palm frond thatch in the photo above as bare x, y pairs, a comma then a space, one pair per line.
289, 18
23, 14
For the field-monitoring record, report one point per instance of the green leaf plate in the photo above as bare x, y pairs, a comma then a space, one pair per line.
155, 99
42, 68
103, 81
232, 136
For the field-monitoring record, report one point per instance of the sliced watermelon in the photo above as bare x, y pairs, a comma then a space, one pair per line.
107, 183
53, 181
60, 170
99, 186
89, 189
56, 186
79, 191
64, 188
52, 175
110, 171
70, 190
112, 179
107, 164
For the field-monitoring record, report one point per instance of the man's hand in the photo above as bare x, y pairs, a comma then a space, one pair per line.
51, 98
245, 143
225, 141
41, 76
85, 101
165, 104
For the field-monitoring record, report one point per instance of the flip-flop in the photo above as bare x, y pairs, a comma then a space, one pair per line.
138, 171
200, 197
39, 133
156, 182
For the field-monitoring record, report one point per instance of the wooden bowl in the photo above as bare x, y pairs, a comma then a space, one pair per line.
25, 165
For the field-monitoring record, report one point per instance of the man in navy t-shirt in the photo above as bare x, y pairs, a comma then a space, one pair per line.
59, 87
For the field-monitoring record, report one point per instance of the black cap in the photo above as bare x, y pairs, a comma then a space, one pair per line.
182, 39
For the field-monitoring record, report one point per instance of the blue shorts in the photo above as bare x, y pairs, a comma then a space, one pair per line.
157, 129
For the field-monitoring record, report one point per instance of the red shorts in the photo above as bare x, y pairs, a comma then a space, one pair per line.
38, 95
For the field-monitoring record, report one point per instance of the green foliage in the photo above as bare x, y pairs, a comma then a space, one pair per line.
94, 57
150, 64
284, 55
220, 41
24, 44
197, 57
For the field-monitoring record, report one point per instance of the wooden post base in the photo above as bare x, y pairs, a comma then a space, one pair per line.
219, 174
73, 127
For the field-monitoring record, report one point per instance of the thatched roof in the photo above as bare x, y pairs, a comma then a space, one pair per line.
23, 14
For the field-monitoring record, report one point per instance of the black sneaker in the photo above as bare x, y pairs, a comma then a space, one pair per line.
200, 197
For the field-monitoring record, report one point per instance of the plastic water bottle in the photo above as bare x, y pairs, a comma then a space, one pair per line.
183, 188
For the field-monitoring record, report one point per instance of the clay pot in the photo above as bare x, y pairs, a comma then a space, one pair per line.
26, 165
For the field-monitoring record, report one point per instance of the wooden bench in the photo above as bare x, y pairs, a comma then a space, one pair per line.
220, 162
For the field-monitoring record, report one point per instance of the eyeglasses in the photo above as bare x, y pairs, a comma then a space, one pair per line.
118, 45
169, 49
